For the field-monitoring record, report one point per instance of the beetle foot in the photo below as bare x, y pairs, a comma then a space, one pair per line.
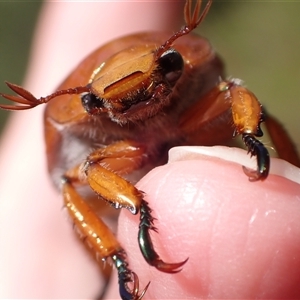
126, 276
256, 148
146, 246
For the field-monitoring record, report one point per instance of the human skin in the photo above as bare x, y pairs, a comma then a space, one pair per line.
242, 238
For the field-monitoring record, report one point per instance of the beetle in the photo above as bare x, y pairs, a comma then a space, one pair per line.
134, 93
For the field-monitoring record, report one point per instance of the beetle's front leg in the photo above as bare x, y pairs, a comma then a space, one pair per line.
146, 246
247, 116
235, 110
103, 169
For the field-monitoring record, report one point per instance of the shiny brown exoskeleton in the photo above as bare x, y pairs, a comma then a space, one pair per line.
120, 113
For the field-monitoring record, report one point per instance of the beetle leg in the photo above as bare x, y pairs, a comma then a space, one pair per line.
122, 193
105, 166
247, 116
146, 246
227, 104
100, 239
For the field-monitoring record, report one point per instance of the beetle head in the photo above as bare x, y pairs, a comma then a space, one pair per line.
133, 84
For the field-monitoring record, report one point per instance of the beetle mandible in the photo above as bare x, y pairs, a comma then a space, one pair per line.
135, 93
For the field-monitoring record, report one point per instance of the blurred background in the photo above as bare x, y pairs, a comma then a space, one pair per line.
17, 22
258, 41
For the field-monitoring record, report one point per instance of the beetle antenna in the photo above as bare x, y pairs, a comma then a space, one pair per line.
29, 101
192, 20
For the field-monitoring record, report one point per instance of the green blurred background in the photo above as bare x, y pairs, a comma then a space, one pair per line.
258, 40
17, 21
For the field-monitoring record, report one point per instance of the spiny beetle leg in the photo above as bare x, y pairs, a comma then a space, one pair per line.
146, 246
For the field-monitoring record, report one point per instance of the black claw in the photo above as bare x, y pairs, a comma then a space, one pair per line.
125, 277
256, 148
123, 289
146, 245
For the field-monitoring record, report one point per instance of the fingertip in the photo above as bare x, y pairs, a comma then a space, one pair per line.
208, 211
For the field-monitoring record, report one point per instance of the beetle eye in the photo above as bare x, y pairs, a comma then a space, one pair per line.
91, 103
171, 64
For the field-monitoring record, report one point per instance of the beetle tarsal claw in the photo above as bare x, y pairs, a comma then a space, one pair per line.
253, 175
168, 267
126, 276
256, 148
125, 292
135, 291
146, 245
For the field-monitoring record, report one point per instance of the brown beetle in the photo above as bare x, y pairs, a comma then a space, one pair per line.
135, 93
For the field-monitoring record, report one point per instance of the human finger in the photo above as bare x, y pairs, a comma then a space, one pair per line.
242, 238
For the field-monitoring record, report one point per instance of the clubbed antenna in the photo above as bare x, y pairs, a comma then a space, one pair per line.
27, 100
192, 20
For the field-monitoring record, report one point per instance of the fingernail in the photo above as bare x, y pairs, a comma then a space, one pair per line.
278, 166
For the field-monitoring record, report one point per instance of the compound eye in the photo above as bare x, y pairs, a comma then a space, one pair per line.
91, 103
171, 64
